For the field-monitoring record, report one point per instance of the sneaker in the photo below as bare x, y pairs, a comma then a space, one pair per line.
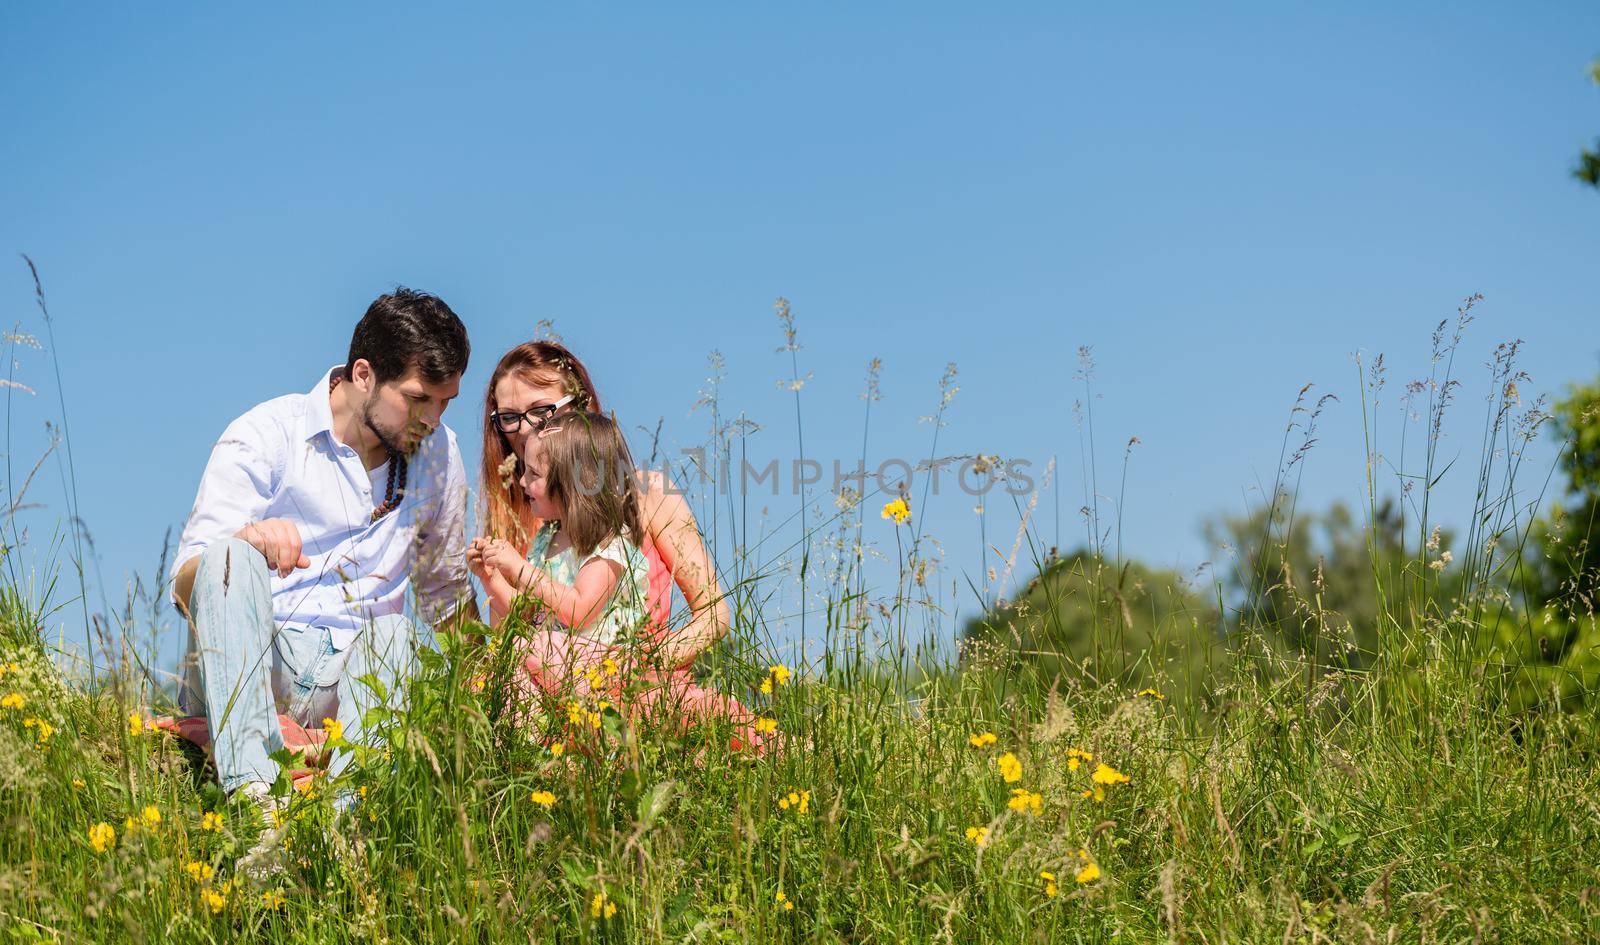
265, 859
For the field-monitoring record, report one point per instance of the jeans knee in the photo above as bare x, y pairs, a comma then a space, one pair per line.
229, 559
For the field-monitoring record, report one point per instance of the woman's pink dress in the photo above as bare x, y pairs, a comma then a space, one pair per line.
555, 661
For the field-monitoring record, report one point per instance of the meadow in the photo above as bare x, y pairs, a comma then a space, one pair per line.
1202, 781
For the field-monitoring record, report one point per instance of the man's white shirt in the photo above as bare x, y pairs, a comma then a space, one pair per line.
281, 460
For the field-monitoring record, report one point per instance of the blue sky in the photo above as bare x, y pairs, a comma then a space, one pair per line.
1225, 203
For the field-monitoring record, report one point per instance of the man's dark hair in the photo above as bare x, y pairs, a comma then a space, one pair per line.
405, 328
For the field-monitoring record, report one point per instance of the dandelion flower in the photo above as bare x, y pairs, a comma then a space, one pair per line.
783, 901
897, 510
766, 686
780, 673
1025, 801
609, 666
574, 713
1010, 767
211, 822
271, 899
214, 900
335, 730
13, 700
1097, 792
601, 905
557, 749
766, 726
1088, 874
198, 871
799, 800
982, 739
544, 799
1154, 694
42, 730
978, 835
150, 816
102, 837
135, 724
79, 783
1049, 878
1105, 774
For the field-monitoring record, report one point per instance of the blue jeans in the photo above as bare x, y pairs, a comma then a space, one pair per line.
250, 669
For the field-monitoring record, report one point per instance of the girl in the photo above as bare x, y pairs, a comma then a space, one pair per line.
584, 568
587, 574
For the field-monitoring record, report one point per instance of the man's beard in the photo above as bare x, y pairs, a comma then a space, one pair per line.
391, 441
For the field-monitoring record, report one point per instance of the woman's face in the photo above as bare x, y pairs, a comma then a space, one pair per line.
535, 482
516, 394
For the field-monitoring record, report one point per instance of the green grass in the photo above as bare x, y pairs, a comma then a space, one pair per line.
1356, 811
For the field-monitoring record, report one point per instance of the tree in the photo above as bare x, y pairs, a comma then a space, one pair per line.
1082, 616
1588, 169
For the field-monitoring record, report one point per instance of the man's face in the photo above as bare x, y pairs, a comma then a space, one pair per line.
402, 412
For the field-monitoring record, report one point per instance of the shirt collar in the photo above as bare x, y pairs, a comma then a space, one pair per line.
319, 412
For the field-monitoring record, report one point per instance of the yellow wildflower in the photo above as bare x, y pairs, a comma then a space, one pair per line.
574, 713
799, 800
214, 900
543, 798
102, 836
594, 720
783, 901
150, 816
1105, 774
766, 726
41, 729
601, 905
271, 899
1152, 693
557, 749
211, 821
1088, 874
780, 674
609, 666
335, 730
594, 680
766, 686
1026, 802
135, 724
1049, 878
1076, 756
79, 783
198, 871
13, 700
897, 510
978, 835
1097, 792
1010, 767
982, 739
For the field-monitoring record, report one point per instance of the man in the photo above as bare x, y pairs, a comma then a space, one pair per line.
316, 515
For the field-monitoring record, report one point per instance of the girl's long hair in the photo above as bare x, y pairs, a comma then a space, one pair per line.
505, 512
588, 473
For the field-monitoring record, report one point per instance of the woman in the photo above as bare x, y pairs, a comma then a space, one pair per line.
534, 382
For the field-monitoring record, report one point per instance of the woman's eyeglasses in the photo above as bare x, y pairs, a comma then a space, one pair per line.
536, 416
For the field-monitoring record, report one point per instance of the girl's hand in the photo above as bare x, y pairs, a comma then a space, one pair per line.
475, 560
502, 559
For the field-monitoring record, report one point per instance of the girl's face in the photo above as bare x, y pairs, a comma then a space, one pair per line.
534, 465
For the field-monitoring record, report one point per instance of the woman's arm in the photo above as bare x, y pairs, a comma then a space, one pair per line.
670, 523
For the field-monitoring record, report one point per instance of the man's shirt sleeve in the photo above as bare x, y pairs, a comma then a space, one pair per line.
441, 578
235, 489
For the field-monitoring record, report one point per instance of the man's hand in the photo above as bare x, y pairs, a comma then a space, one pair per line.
278, 540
